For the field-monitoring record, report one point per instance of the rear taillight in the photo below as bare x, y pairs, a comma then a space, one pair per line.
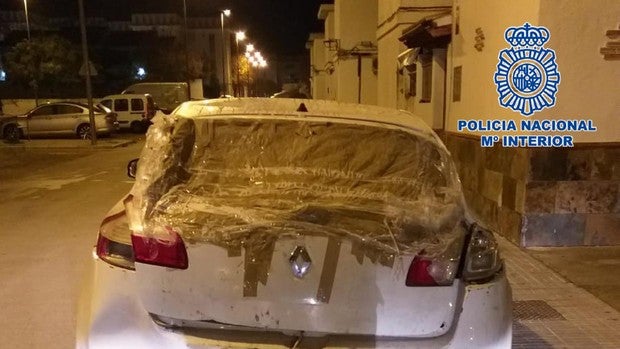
418, 274
114, 242
482, 260
164, 248
115, 253
425, 271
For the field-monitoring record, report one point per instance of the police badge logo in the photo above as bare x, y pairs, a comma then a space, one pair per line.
527, 76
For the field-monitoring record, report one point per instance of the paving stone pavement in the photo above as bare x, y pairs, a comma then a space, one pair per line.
551, 312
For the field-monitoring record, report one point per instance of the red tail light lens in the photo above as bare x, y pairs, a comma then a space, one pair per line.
438, 270
418, 274
166, 250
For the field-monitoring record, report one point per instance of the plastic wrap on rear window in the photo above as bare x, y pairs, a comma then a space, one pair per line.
245, 182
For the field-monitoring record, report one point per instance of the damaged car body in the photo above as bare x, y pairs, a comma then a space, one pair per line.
343, 221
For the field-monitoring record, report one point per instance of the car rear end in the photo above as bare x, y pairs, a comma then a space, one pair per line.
110, 120
151, 108
286, 226
105, 120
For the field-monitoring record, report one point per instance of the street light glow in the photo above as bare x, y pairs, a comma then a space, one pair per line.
249, 47
240, 35
140, 73
226, 12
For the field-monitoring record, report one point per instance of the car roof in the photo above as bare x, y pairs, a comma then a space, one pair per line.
75, 104
127, 95
61, 102
315, 108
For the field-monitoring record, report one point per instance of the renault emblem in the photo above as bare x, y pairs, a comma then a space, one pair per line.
300, 262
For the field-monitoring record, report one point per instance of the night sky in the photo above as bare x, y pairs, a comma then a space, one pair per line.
275, 26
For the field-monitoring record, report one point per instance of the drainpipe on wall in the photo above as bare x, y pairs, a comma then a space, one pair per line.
359, 78
445, 94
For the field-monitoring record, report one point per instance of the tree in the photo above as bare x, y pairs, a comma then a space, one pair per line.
43, 61
243, 74
171, 64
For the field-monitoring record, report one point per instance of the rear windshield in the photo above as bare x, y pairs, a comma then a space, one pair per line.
215, 177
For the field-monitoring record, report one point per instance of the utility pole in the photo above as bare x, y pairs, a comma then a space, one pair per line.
224, 62
27, 21
34, 82
189, 89
89, 92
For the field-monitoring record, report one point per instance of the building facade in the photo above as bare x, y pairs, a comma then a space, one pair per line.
540, 196
348, 71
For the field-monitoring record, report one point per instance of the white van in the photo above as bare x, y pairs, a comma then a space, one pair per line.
167, 95
133, 111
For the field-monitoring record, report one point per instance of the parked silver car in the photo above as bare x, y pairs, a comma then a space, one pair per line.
62, 118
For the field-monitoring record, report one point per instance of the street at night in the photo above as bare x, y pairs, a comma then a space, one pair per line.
53, 201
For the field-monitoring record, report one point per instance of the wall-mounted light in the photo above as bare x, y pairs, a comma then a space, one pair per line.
479, 38
332, 44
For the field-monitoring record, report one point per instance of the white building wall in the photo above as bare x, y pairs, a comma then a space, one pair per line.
331, 79
432, 112
479, 97
389, 49
317, 66
355, 23
394, 16
590, 85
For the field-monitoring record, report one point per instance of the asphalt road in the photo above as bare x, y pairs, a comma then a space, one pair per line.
51, 204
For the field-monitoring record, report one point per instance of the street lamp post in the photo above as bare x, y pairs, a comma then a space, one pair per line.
89, 92
187, 77
239, 36
27, 21
225, 13
34, 82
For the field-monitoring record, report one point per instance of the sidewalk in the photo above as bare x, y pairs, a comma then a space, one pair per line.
551, 312
102, 143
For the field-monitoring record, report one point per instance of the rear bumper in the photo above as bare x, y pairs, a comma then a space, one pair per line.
112, 316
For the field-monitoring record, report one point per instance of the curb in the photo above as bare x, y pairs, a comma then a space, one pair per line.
65, 144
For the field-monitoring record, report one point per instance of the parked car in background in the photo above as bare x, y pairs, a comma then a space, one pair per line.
261, 216
290, 94
133, 111
61, 118
167, 95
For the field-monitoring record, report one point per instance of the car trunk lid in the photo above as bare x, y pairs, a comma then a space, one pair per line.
291, 225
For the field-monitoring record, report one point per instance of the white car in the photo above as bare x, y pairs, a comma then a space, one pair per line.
133, 111
270, 223
60, 118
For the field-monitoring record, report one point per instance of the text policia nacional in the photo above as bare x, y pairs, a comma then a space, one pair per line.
532, 126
